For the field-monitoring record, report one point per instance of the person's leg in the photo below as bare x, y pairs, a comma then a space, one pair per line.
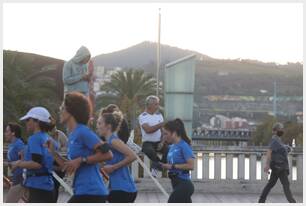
117, 196
87, 199
182, 192
14, 194
283, 177
272, 181
55, 190
164, 152
40, 196
149, 149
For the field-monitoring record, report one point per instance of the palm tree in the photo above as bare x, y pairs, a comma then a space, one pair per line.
128, 89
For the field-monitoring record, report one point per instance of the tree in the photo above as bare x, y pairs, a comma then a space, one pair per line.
22, 89
292, 130
128, 89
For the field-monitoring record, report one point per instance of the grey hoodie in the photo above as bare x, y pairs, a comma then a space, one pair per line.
73, 71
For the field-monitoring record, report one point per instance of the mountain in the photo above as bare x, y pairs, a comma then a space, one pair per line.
214, 76
141, 56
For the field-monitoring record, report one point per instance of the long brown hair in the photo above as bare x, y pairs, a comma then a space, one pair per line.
177, 126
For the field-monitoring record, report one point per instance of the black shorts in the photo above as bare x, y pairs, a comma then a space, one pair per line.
87, 199
119, 196
40, 196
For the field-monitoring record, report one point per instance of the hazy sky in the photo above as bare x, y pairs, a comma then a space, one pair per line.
263, 31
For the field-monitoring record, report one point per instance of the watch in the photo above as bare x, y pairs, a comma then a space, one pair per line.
84, 160
173, 166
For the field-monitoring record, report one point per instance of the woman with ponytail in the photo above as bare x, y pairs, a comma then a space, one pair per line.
121, 183
180, 160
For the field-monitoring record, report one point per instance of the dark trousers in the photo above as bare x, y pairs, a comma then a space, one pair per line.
182, 191
150, 149
87, 199
118, 196
283, 176
40, 196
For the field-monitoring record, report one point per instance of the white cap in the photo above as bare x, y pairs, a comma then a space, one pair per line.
39, 113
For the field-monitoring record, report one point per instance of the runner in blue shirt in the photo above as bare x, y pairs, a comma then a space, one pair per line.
85, 151
37, 160
180, 160
121, 183
13, 136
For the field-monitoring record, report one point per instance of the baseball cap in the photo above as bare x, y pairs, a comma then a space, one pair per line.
39, 113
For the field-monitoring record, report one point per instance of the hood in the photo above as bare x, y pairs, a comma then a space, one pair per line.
81, 54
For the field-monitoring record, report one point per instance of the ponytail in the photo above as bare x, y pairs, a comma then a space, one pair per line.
177, 126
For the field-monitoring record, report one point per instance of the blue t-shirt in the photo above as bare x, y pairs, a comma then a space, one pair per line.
179, 154
13, 155
87, 178
36, 145
120, 179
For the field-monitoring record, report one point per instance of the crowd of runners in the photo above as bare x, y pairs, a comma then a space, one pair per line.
99, 160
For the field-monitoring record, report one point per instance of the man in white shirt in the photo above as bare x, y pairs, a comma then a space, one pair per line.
151, 122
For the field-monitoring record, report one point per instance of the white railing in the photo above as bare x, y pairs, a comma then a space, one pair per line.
241, 163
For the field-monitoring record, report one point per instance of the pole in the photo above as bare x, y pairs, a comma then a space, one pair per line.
274, 100
158, 54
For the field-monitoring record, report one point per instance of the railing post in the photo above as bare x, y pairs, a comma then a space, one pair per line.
147, 163
135, 169
194, 172
253, 168
217, 169
264, 176
290, 167
299, 167
229, 166
241, 166
205, 165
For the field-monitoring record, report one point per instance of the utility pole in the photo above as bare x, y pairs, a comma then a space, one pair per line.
274, 100
158, 54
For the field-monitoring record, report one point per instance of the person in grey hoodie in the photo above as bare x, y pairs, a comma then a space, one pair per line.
75, 73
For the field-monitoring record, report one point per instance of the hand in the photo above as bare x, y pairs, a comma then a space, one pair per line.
166, 166
86, 77
108, 169
72, 165
266, 169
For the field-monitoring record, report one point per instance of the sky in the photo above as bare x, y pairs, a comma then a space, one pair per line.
269, 32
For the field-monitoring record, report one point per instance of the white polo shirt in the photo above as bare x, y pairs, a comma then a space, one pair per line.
151, 120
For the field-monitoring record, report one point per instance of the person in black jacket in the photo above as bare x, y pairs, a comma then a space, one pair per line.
277, 161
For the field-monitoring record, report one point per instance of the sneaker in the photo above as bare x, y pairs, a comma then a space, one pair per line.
155, 173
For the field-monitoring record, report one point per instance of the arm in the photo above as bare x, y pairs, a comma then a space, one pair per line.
268, 156
28, 164
34, 163
68, 78
151, 129
128, 153
72, 165
189, 165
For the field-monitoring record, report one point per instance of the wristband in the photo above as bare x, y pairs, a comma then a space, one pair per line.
173, 166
